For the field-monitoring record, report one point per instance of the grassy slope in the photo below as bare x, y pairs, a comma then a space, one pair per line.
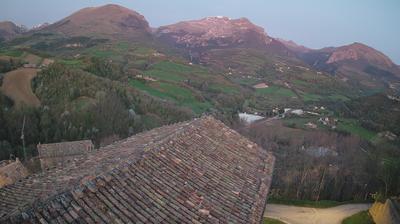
271, 221
180, 95
354, 127
351, 126
306, 203
360, 218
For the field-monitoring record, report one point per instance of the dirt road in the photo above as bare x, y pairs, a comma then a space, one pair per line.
303, 215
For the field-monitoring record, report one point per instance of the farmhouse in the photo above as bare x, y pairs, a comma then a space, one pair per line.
198, 171
62, 153
29, 65
11, 171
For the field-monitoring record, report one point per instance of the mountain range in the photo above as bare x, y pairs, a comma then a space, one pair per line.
218, 42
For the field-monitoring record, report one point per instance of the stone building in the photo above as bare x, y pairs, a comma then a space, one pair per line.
198, 171
11, 171
62, 153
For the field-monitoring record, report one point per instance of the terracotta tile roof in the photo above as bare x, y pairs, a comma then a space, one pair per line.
64, 148
192, 172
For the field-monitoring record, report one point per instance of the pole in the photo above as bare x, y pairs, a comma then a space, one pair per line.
23, 138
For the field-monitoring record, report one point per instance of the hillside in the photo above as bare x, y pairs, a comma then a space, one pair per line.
357, 63
9, 30
199, 36
112, 21
113, 77
291, 45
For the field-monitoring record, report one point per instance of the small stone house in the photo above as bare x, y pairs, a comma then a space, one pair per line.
11, 171
62, 153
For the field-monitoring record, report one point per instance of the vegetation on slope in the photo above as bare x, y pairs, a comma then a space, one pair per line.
267, 220
307, 203
360, 218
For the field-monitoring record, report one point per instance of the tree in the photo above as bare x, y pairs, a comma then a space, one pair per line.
110, 116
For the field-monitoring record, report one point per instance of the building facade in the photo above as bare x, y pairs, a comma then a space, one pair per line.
62, 153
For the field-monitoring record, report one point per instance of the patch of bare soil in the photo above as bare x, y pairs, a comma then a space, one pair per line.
17, 86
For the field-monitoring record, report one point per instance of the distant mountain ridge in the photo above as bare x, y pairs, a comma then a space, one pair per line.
354, 61
359, 52
210, 38
9, 30
104, 21
293, 46
199, 37
213, 32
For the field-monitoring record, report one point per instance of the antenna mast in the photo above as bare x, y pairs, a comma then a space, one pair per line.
23, 138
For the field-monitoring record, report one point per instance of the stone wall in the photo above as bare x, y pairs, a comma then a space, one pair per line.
52, 162
11, 171
65, 148
385, 213
62, 153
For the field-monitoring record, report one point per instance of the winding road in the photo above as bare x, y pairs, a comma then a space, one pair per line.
304, 215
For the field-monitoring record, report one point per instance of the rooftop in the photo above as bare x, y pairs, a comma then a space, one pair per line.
189, 172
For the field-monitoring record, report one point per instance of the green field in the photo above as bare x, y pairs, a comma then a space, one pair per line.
271, 221
309, 97
299, 122
71, 62
175, 93
352, 126
348, 125
360, 218
276, 91
11, 52
172, 71
216, 87
306, 203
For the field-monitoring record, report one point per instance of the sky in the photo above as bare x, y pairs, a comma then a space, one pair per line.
312, 23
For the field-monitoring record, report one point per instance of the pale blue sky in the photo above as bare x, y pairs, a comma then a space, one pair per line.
313, 23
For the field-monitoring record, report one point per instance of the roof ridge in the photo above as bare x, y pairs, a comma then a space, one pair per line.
90, 182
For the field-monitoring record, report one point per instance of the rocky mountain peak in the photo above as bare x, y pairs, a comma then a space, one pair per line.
217, 31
